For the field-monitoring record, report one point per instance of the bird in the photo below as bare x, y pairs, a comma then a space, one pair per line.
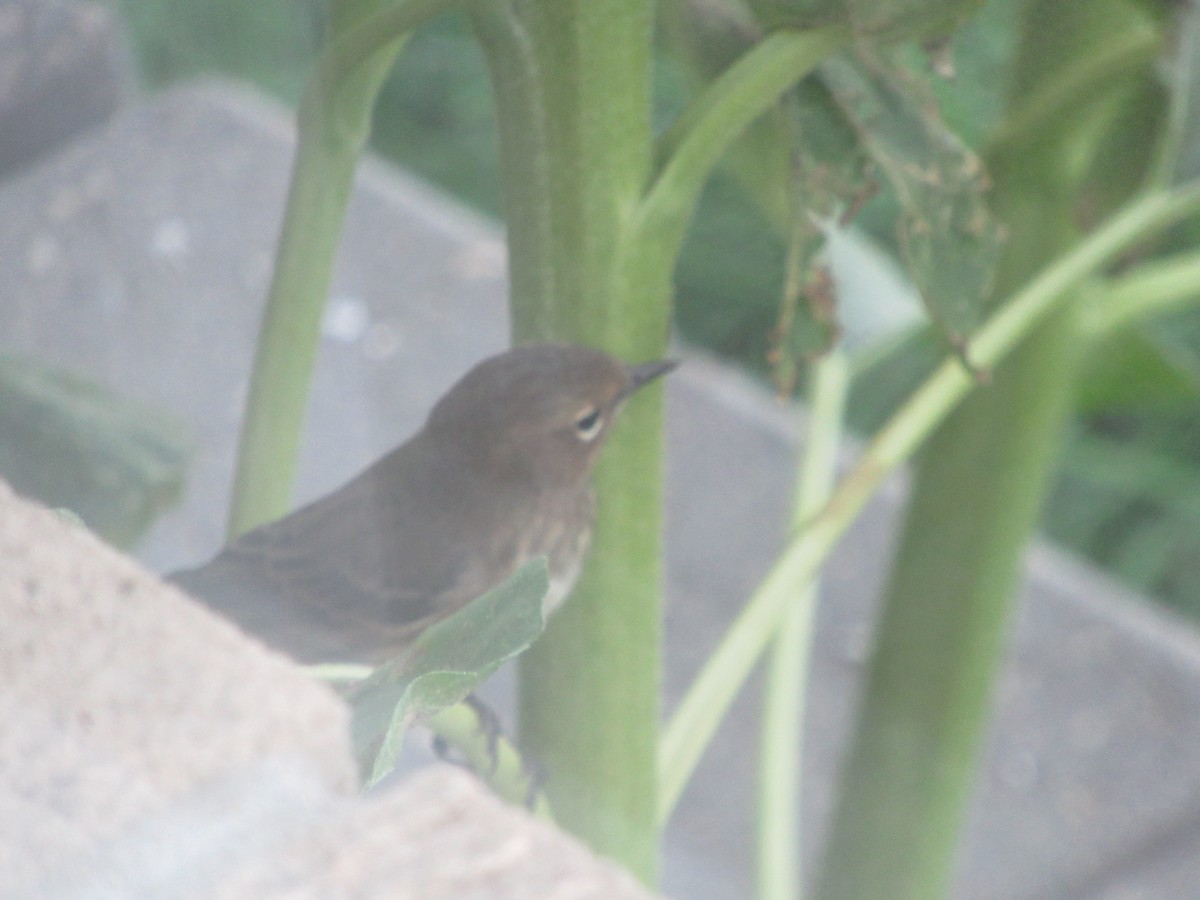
499, 474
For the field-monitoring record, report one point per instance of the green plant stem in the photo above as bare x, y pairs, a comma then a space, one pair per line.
693, 145
784, 701
333, 126
978, 486
572, 82
1154, 288
906, 778
592, 251
691, 727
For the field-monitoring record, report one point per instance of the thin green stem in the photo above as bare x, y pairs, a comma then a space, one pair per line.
1153, 288
784, 701
691, 727
333, 124
715, 119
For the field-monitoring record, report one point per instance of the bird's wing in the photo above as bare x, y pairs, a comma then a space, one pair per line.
358, 573
286, 595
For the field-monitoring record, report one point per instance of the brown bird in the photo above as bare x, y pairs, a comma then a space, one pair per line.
499, 475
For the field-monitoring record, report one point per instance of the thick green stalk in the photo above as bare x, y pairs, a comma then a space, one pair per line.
976, 497
907, 779
592, 250
572, 81
694, 722
333, 125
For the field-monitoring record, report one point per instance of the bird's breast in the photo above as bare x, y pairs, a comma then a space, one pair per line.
561, 530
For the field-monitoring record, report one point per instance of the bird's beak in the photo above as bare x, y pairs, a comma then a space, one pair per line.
644, 373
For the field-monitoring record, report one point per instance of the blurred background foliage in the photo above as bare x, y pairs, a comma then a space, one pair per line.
1128, 493
73, 443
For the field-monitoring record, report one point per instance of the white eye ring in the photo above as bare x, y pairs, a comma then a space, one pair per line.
588, 423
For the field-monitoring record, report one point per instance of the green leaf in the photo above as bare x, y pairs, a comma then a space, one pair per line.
1124, 155
948, 237
729, 302
832, 168
829, 179
70, 442
801, 163
710, 35
446, 663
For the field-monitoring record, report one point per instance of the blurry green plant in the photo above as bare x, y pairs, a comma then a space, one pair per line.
434, 115
73, 443
814, 104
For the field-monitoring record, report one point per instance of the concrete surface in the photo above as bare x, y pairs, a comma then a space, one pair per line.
411, 842
151, 750
123, 699
141, 257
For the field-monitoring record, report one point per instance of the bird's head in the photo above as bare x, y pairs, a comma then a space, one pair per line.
540, 411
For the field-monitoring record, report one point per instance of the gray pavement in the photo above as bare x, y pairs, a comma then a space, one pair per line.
140, 256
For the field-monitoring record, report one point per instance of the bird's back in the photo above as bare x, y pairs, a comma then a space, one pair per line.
358, 573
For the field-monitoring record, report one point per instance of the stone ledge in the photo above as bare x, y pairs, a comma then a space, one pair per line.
151, 749
122, 697
439, 835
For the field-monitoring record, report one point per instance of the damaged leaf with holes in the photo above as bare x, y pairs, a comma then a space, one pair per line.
808, 324
801, 164
949, 239
830, 178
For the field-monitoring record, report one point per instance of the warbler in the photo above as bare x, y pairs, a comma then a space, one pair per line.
499, 474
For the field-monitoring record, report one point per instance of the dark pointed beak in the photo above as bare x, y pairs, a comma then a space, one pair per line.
644, 373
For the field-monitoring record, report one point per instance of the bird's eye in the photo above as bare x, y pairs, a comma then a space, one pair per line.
588, 422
